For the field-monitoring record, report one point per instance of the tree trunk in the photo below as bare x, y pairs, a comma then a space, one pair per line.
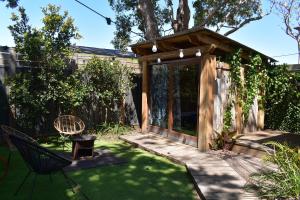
183, 17
146, 9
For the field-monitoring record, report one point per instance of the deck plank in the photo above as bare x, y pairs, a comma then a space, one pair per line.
213, 177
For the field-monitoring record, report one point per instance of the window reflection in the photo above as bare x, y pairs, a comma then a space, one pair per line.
185, 98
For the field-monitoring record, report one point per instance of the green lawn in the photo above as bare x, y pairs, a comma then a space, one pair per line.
145, 176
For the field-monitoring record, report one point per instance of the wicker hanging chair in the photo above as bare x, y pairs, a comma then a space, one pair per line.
69, 125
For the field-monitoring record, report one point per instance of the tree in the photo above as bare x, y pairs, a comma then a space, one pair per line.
46, 87
107, 83
231, 15
150, 19
289, 11
11, 3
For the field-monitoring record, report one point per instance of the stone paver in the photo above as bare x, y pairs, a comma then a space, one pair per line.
214, 178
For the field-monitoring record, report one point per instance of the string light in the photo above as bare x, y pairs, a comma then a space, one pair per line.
154, 47
181, 55
198, 53
158, 60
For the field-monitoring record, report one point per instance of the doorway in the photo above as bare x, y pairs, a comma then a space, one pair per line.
173, 89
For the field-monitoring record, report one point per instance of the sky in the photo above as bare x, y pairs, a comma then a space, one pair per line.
266, 36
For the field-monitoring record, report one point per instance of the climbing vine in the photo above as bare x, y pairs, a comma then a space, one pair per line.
227, 117
236, 87
253, 79
253, 85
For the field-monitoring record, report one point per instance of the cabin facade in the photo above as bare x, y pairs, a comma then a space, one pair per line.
185, 86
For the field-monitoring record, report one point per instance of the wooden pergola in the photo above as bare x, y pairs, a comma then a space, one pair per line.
212, 46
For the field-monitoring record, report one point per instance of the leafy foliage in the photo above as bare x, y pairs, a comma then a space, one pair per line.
130, 18
254, 84
283, 183
36, 92
229, 14
255, 76
11, 3
224, 140
237, 86
113, 128
106, 83
227, 117
283, 100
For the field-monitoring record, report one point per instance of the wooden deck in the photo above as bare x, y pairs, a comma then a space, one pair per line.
253, 144
213, 176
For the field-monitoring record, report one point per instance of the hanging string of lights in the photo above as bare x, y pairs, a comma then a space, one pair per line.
181, 52
109, 21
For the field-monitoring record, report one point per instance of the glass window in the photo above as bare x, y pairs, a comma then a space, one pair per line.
185, 95
159, 96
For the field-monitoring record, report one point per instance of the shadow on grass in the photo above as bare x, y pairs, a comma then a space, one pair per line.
145, 176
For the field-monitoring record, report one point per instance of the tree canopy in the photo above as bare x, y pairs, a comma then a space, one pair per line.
46, 51
146, 20
53, 83
11, 3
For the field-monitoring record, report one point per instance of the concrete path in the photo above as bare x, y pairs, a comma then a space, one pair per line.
213, 177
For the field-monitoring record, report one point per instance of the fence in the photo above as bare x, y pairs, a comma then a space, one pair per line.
12, 62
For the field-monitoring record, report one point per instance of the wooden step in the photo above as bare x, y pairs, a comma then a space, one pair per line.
251, 148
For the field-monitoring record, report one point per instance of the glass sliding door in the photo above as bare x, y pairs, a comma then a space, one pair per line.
159, 96
185, 98
173, 89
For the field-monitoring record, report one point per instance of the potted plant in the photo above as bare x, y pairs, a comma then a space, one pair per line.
224, 140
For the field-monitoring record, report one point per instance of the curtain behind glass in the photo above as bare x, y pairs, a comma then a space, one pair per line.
159, 96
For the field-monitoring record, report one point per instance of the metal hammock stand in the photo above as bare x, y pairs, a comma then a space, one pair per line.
41, 161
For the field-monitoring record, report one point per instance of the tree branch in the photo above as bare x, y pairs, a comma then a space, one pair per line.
246, 21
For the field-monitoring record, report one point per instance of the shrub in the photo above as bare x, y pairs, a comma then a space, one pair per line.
283, 97
52, 86
283, 183
113, 128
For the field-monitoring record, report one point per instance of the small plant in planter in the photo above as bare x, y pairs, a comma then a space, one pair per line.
227, 137
225, 140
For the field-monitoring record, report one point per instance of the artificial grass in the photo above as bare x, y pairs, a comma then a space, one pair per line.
145, 176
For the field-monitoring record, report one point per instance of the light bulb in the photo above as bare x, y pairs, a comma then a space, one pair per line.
158, 60
198, 53
181, 55
154, 48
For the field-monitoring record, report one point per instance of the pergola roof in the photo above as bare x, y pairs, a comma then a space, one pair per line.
192, 38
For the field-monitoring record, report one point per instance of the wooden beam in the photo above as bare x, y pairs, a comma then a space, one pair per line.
193, 39
170, 98
206, 39
206, 101
145, 90
209, 40
175, 54
164, 45
260, 119
261, 112
239, 110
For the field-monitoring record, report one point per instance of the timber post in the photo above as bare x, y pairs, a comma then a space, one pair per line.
145, 90
206, 101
